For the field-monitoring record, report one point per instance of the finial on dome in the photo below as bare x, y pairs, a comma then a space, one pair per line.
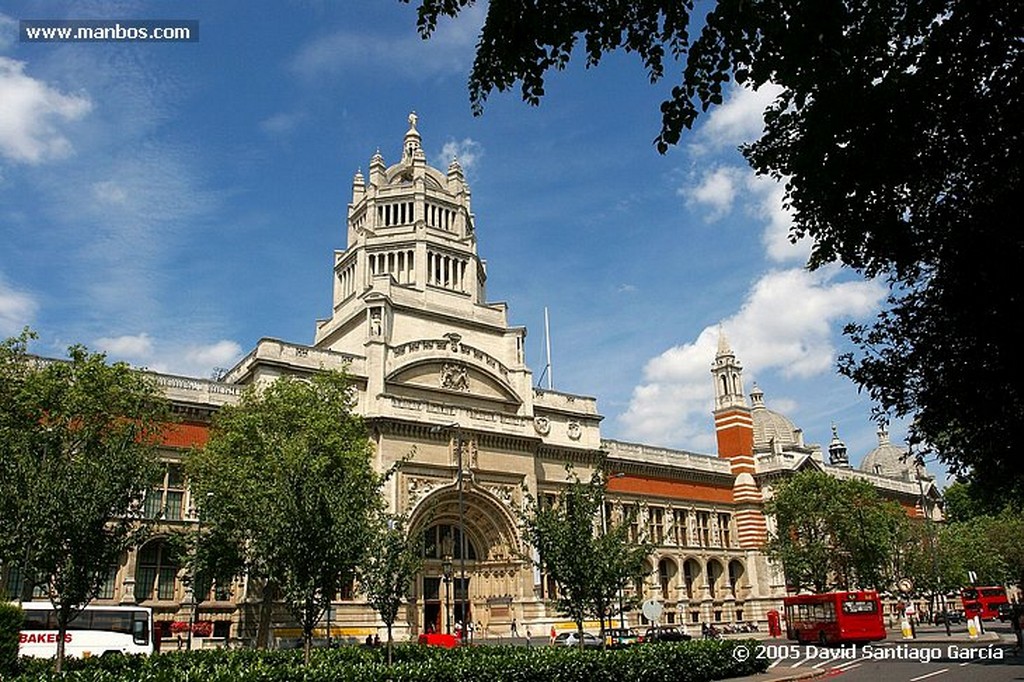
883, 435
412, 120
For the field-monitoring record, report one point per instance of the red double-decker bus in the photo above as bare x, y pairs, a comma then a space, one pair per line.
834, 617
983, 602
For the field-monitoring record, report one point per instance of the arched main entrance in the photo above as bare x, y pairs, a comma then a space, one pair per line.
471, 570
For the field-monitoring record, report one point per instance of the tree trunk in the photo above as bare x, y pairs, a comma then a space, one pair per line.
62, 631
390, 643
266, 611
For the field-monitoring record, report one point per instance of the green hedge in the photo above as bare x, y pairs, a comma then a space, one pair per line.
689, 662
10, 627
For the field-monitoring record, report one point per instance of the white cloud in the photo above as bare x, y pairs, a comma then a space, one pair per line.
170, 357
135, 348
17, 310
717, 190
785, 326
467, 151
31, 116
739, 119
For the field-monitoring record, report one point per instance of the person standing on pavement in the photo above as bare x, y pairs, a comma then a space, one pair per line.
1017, 620
515, 630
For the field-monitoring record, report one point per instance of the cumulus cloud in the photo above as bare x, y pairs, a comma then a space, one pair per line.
32, 114
170, 357
785, 325
739, 119
17, 309
138, 347
467, 151
716, 190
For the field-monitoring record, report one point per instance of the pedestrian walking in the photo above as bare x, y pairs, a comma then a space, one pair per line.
515, 629
529, 637
553, 634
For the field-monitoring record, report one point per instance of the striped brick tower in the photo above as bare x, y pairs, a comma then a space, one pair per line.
734, 431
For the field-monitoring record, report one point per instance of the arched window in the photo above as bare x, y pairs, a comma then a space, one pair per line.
445, 539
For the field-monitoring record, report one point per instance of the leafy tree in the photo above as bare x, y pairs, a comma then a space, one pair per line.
589, 559
894, 135
834, 534
390, 567
77, 448
293, 494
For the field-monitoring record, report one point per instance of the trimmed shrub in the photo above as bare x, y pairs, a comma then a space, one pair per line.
683, 662
10, 628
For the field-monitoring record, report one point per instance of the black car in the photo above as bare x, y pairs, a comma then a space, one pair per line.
1005, 612
954, 617
665, 633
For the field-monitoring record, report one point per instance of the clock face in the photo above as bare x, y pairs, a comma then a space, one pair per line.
906, 585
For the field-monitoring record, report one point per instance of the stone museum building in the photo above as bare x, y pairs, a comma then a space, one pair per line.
439, 370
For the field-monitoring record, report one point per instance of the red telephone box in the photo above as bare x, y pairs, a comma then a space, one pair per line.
774, 624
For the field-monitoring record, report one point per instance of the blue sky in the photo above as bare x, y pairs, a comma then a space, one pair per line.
172, 204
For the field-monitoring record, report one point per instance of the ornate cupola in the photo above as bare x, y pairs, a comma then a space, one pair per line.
837, 451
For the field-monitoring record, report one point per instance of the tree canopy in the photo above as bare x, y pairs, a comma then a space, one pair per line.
387, 574
834, 534
894, 135
290, 493
587, 554
77, 450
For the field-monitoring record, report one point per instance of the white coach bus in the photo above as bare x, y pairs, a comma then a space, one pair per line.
95, 631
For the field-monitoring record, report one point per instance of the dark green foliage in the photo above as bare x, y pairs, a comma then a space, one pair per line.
77, 448
10, 626
289, 492
895, 135
835, 534
690, 662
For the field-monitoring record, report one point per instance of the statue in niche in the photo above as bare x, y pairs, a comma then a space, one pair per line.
454, 377
716, 535
692, 530
376, 322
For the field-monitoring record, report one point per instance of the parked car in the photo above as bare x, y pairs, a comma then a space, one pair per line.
955, 617
1006, 612
665, 633
618, 638
571, 639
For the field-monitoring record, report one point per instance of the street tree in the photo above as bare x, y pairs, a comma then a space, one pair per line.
290, 494
78, 442
894, 135
834, 534
589, 558
391, 564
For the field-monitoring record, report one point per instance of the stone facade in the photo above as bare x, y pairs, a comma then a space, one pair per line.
440, 372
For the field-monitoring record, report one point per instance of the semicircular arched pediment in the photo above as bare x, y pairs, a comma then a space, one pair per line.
452, 376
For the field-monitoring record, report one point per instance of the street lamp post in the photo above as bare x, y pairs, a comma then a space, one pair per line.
446, 570
464, 594
604, 530
460, 597
931, 540
195, 598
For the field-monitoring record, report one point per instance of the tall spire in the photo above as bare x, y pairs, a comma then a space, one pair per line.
728, 375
